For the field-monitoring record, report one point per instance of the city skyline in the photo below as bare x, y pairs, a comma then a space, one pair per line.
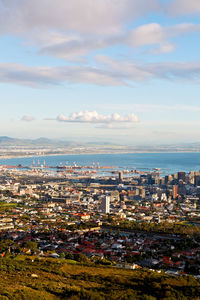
100, 70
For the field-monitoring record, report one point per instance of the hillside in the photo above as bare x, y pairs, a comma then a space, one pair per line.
6, 141
42, 278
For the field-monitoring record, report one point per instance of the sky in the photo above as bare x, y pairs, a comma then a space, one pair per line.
117, 71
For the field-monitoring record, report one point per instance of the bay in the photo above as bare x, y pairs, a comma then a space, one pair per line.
168, 163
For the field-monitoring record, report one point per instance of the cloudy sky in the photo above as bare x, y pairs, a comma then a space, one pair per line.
123, 71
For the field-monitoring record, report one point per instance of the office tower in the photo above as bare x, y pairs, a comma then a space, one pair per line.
137, 191
181, 176
105, 205
143, 193
181, 187
175, 191
170, 178
120, 176
166, 179
191, 177
176, 176
197, 180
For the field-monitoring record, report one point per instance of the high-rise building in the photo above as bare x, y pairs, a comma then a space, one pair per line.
105, 205
137, 191
191, 177
176, 176
166, 179
121, 176
181, 176
197, 180
181, 187
143, 193
175, 191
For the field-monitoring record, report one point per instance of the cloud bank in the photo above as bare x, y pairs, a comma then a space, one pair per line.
77, 30
107, 72
74, 46
74, 29
95, 117
184, 7
88, 16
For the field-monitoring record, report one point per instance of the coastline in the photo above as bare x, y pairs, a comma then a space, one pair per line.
5, 157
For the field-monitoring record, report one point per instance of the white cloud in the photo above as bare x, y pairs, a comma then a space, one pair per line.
73, 29
94, 117
146, 35
182, 28
75, 46
88, 16
134, 72
185, 7
155, 34
28, 76
108, 72
45, 76
27, 118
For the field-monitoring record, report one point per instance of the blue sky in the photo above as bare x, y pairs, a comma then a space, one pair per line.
126, 72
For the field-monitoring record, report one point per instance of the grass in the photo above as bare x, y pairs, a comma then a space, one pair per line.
62, 279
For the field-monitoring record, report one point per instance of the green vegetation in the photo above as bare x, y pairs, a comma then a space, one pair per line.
163, 227
41, 278
6, 207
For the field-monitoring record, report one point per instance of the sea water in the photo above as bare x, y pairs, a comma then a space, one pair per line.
168, 163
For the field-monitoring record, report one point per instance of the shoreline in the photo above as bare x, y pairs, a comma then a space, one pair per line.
94, 153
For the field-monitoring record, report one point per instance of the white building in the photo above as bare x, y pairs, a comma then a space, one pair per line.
105, 205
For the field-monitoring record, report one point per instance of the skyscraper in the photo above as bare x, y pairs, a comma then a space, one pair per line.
181, 176
196, 180
175, 191
120, 176
105, 205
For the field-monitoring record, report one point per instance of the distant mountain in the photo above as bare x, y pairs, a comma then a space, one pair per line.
8, 141
5, 139
43, 142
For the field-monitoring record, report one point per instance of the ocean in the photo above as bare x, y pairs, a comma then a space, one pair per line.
168, 163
